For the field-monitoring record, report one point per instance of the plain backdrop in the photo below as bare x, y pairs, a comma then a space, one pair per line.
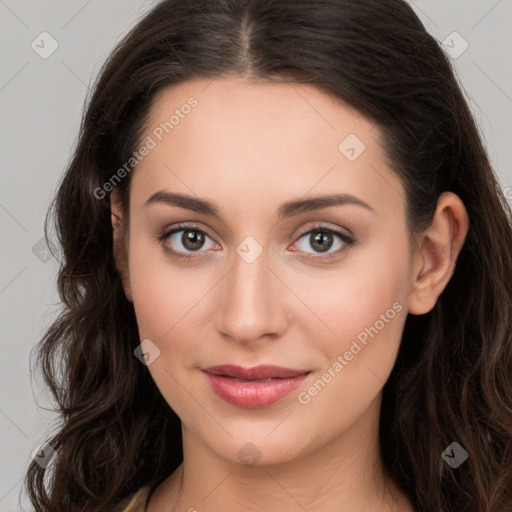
50, 53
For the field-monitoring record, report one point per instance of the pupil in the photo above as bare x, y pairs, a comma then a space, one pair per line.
318, 238
192, 238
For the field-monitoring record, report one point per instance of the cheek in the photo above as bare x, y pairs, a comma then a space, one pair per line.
364, 306
163, 297
367, 317
163, 292
155, 308
360, 293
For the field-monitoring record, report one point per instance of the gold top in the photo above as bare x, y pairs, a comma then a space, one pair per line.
137, 502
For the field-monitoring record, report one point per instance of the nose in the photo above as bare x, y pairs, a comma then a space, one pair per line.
251, 302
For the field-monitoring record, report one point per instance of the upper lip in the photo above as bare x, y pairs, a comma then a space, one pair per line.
254, 373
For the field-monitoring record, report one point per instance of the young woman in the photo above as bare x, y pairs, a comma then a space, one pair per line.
287, 273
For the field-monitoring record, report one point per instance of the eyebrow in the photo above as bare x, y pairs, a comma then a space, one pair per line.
287, 209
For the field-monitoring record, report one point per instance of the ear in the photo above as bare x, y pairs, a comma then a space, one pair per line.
120, 242
436, 253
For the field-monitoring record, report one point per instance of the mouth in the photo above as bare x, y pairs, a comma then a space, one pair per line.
255, 387
257, 373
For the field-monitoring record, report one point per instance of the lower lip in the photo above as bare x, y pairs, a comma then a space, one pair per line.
253, 395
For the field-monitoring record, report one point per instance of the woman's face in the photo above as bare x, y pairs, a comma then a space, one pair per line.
258, 282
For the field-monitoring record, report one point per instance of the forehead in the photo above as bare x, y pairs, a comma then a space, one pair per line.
263, 140
274, 103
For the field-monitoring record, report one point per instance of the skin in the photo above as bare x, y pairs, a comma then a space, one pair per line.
248, 147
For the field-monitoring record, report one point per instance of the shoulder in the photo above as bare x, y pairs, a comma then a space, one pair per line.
137, 502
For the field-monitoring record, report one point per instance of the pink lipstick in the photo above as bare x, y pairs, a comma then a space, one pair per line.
255, 387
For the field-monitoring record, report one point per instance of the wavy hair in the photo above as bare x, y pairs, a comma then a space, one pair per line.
452, 377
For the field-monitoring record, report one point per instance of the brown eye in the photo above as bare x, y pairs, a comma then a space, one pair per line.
183, 241
192, 239
321, 239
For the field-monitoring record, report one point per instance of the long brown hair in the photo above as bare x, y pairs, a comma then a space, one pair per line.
452, 380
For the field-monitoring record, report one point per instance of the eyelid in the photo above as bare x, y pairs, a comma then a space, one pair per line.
324, 226
183, 226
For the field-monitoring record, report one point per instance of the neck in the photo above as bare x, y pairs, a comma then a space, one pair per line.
345, 474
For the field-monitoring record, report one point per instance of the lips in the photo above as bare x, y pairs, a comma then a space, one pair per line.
262, 372
256, 387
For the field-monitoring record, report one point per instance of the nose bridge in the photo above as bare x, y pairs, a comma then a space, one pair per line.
250, 304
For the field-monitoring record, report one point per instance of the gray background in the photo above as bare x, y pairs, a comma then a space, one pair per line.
41, 104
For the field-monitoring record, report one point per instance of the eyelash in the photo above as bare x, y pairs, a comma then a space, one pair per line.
347, 241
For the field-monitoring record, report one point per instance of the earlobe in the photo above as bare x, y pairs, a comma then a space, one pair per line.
120, 242
436, 253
